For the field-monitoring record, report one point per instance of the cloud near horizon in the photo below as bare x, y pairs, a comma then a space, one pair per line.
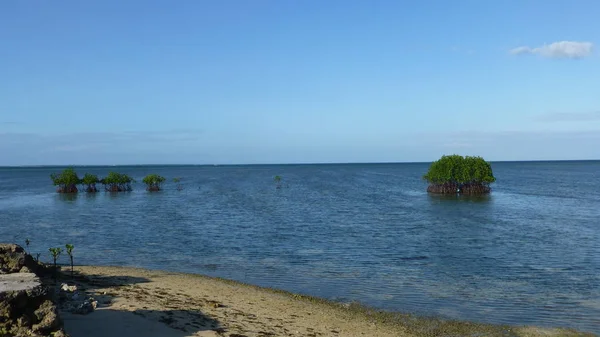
82, 147
570, 117
558, 50
189, 147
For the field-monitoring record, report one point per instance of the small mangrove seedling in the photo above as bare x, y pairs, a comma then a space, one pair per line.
27, 242
177, 181
277, 180
55, 252
70, 248
153, 182
37, 257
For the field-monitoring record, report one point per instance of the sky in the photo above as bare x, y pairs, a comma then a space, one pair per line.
246, 82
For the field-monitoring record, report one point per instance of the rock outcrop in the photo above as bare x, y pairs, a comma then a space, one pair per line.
26, 306
14, 259
71, 300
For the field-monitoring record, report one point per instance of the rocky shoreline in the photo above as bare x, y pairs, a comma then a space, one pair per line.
32, 298
27, 304
116, 301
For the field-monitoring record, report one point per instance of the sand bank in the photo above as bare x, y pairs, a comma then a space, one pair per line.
136, 302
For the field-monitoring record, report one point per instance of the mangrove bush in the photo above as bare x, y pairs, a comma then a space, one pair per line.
117, 182
89, 182
153, 182
66, 181
457, 174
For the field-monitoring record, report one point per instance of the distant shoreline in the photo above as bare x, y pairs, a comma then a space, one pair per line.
289, 164
141, 302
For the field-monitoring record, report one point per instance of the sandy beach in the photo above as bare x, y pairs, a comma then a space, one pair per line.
137, 302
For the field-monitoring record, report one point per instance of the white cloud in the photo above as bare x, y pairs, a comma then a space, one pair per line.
520, 50
562, 49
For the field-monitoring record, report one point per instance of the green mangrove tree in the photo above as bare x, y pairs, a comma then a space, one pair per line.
457, 174
153, 182
66, 181
117, 182
89, 182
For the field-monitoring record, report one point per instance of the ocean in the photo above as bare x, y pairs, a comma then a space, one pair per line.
529, 253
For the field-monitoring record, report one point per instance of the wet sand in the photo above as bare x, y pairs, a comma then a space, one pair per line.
137, 302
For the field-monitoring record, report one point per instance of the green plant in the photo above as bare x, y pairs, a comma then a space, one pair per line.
117, 182
66, 181
27, 242
37, 257
70, 248
90, 181
458, 174
153, 182
55, 252
277, 180
177, 180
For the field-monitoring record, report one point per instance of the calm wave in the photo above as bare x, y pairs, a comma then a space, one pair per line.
527, 254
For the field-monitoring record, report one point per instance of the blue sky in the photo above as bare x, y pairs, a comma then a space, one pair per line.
134, 82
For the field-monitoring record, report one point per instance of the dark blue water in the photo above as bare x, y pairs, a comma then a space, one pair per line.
527, 254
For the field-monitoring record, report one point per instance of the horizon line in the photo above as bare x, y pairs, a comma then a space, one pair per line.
290, 164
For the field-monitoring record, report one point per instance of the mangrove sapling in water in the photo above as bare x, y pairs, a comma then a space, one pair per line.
153, 182
277, 180
117, 182
89, 182
456, 174
66, 181
27, 242
179, 186
70, 248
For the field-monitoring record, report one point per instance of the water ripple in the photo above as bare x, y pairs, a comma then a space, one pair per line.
527, 254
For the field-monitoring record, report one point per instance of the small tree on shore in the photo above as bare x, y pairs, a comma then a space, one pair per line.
89, 181
117, 182
457, 174
55, 252
70, 248
66, 181
153, 182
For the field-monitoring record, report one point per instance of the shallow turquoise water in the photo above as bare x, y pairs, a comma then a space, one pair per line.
527, 254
